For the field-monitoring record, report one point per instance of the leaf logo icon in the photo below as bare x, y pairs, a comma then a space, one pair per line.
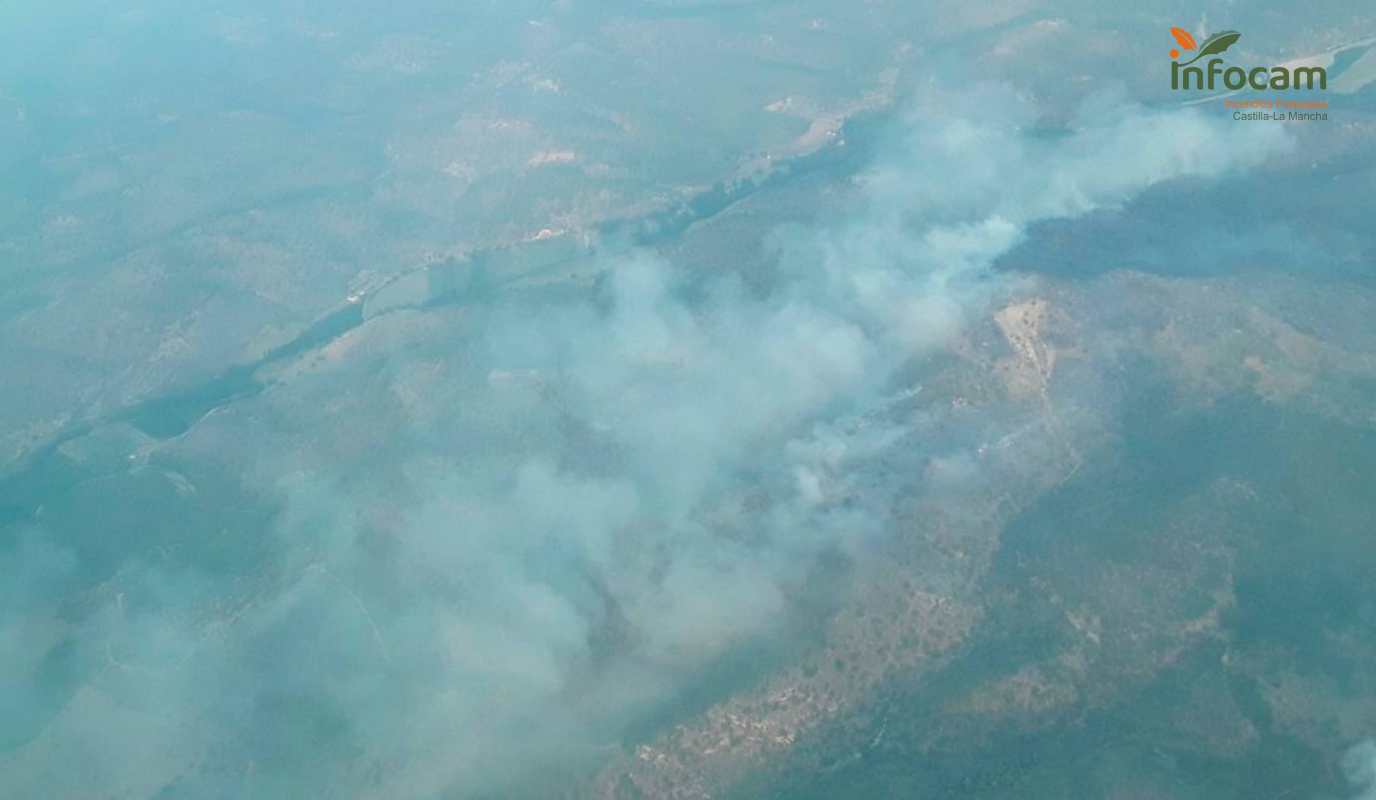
1212, 46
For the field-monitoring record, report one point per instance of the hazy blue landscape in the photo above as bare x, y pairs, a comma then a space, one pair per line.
684, 399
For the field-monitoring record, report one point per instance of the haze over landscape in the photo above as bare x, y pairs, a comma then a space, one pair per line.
683, 399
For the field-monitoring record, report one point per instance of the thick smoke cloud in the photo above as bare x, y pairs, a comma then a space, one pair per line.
639, 483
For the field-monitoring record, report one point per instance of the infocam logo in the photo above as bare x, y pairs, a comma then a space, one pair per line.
1184, 76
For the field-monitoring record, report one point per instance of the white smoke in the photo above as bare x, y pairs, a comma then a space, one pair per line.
1359, 767
642, 498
